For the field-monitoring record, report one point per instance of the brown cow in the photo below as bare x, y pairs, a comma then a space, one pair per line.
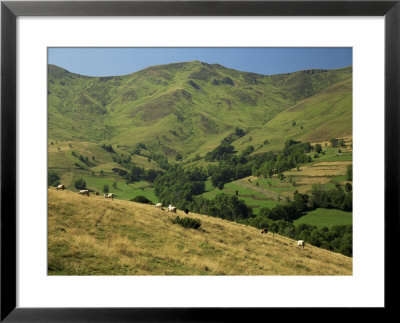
97, 193
264, 230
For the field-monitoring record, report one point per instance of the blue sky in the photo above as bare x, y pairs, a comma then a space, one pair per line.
121, 61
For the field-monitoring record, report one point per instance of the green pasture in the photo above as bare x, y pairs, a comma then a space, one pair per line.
326, 218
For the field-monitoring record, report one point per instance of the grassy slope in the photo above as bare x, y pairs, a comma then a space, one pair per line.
179, 107
323, 116
94, 236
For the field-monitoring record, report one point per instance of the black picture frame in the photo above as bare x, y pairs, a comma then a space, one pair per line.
10, 10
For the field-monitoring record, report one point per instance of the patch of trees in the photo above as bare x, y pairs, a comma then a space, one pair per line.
83, 159
220, 152
336, 198
138, 148
135, 173
248, 150
80, 184
178, 186
271, 163
223, 206
337, 143
121, 159
318, 148
160, 160
289, 211
109, 148
228, 171
53, 179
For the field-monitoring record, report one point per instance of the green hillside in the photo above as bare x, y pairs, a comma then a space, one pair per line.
185, 108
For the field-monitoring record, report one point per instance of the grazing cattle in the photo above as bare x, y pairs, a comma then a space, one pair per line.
301, 243
60, 187
171, 208
97, 193
158, 205
84, 192
186, 211
109, 196
264, 230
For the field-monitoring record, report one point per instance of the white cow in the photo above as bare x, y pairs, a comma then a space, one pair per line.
84, 192
171, 208
301, 243
61, 187
109, 196
159, 206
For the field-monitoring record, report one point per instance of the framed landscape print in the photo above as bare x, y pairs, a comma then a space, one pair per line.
181, 155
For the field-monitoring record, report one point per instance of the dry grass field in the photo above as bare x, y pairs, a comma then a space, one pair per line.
97, 236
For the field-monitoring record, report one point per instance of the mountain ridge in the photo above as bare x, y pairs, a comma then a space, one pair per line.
180, 106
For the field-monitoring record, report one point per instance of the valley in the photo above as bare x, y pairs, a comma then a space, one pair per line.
270, 139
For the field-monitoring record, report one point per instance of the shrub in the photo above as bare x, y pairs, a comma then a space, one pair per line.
196, 86
141, 199
187, 222
106, 188
349, 173
109, 148
80, 184
227, 80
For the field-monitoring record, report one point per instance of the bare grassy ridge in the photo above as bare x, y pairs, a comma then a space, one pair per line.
95, 236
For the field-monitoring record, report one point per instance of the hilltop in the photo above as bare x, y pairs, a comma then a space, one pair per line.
95, 236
